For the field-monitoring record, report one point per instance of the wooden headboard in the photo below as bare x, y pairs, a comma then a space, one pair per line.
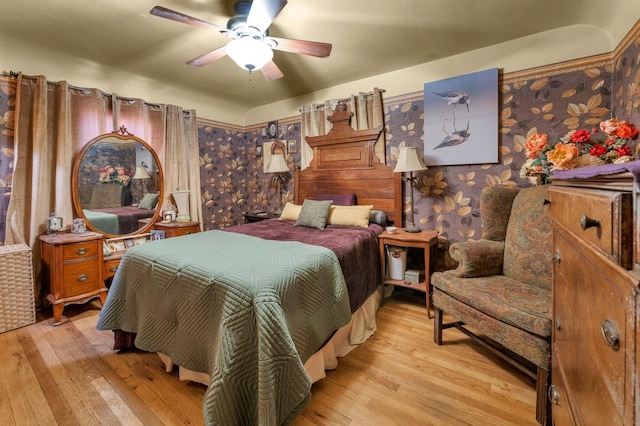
344, 162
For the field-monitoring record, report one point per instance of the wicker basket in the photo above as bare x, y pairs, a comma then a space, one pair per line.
17, 302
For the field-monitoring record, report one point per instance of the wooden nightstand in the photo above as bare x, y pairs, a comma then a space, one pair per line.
72, 269
257, 217
425, 240
177, 229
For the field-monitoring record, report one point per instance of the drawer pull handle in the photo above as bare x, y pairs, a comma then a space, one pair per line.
556, 257
83, 277
587, 222
113, 268
81, 251
553, 395
610, 334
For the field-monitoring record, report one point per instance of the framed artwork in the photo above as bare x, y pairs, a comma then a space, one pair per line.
291, 146
272, 130
157, 235
461, 120
259, 150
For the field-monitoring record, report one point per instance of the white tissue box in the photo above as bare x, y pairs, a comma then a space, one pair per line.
413, 276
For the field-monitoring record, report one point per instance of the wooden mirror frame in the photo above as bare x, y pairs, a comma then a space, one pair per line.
124, 135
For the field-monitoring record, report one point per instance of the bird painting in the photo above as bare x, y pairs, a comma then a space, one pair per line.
455, 98
455, 138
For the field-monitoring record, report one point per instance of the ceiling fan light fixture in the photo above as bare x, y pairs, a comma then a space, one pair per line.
249, 53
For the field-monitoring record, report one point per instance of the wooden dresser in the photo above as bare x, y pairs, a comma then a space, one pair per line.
595, 337
72, 269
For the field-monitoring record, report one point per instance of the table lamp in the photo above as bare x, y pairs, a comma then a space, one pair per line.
410, 161
141, 179
279, 167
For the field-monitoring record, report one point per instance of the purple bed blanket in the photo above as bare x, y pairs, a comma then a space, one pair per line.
128, 217
356, 249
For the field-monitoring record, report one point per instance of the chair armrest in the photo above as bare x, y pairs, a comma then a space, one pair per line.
477, 258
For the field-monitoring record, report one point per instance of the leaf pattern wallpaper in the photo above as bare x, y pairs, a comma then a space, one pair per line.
553, 100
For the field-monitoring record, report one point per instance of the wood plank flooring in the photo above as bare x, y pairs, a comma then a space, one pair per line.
69, 375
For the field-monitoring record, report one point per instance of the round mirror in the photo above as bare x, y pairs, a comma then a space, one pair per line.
117, 184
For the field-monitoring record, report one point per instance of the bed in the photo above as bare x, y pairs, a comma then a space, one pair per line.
252, 310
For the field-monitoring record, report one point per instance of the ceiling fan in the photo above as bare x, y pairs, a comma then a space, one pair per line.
250, 47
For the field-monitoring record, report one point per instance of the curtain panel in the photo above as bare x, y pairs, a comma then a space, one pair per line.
367, 113
53, 121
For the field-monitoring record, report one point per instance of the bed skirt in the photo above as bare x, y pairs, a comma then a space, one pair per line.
357, 331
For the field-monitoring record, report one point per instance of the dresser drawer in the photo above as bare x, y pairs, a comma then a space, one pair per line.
110, 268
79, 251
80, 277
604, 219
593, 333
177, 232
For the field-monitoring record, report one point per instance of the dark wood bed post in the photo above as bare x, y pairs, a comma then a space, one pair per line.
344, 162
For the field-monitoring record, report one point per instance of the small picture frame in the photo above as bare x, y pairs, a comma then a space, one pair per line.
128, 243
272, 130
291, 146
157, 235
116, 245
105, 249
259, 150
144, 238
78, 226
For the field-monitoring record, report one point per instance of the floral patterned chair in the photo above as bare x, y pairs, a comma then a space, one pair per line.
500, 293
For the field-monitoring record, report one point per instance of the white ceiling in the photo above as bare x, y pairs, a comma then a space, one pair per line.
369, 37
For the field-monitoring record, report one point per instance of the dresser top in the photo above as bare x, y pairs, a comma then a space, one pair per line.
69, 238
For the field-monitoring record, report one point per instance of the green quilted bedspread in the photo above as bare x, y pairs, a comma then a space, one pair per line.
247, 311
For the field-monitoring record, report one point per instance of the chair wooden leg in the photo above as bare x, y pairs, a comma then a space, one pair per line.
437, 325
543, 405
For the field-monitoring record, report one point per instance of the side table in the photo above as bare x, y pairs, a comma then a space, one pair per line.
177, 229
425, 240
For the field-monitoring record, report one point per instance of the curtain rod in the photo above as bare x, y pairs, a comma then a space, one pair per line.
87, 90
344, 99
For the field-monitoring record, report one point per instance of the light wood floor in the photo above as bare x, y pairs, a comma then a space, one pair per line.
69, 375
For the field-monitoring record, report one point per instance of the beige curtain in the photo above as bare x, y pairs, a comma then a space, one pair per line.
367, 113
46, 138
182, 158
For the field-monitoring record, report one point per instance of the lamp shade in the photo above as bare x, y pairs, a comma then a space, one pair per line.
277, 164
249, 53
141, 173
182, 202
409, 160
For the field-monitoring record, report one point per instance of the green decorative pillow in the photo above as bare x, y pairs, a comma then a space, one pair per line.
313, 214
149, 201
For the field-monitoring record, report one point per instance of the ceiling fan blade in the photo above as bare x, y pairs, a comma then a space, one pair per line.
302, 47
163, 12
208, 57
271, 71
263, 12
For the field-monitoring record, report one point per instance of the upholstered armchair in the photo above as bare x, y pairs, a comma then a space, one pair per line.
500, 293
